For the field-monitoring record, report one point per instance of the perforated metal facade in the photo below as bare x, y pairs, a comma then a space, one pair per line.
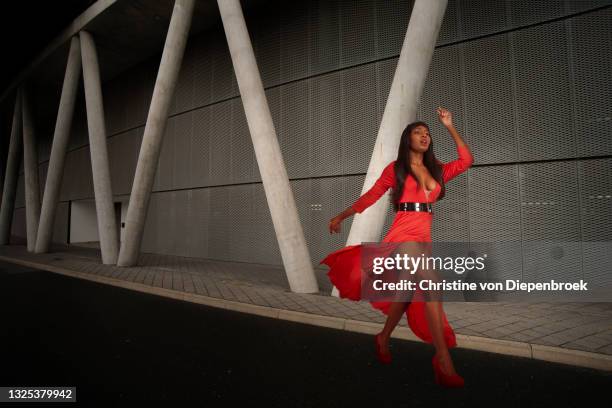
533, 103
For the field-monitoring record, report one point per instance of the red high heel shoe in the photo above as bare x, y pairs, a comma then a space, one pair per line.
383, 358
451, 381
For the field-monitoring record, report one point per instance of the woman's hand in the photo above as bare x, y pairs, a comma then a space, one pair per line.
334, 224
445, 116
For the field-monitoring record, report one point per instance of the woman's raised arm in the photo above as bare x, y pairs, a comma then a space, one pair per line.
465, 160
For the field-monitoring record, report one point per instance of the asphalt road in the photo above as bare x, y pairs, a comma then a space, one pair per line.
120, 348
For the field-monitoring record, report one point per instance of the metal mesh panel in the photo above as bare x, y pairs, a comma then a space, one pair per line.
199, 218
183, 127
242, 244
67, 179
595, 181
220, 143
591, 47
385, 70
596, 258
325, 125
489, 115
200, 150
183, 94
165, 223
83, 187
580, 5
294, 42
543, 261
495, 211
137, 144
184, 228
266, 39
451, 214
442, 88
523, 12
273, 97
302, 193
549, 199
543, 112
317, 222
357, 26
224, 81
495, 216
147, 86
165, 169
123, 155
79, 135
202, 70
134, 151
149, 238
392, 18
114, 157
219, 226
267, 244
243, 155
328, 198
132, 98
292, 131
478, 17
449, 30
114, 106
359, 115
595, 185
324, 36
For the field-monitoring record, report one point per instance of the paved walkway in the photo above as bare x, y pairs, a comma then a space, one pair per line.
581, 326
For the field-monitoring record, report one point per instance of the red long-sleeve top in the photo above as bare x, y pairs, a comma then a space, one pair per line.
386, 180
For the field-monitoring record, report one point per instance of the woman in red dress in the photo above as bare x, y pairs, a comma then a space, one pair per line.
416, 176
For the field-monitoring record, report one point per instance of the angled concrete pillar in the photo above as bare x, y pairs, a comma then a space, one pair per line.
401, 109
281, 202
105, 209
11, 176
163, 92
61, 136
30, 166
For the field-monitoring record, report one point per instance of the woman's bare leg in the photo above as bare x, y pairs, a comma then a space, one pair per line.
396, 310
434, 315
399, 303
433, 311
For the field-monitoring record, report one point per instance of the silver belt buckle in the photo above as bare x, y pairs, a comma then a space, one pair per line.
417, 206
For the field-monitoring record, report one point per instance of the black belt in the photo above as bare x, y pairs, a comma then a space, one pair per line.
424, 207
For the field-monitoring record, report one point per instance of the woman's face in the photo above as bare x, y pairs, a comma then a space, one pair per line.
420, 139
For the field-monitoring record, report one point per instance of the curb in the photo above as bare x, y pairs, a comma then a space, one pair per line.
513, 348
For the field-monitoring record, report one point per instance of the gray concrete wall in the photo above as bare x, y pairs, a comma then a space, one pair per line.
327, 68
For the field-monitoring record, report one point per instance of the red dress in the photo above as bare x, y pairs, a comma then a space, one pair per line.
345, 270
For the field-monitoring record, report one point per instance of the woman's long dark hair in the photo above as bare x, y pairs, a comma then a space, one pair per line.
402, 164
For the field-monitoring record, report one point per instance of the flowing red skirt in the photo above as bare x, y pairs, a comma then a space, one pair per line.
346, 273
